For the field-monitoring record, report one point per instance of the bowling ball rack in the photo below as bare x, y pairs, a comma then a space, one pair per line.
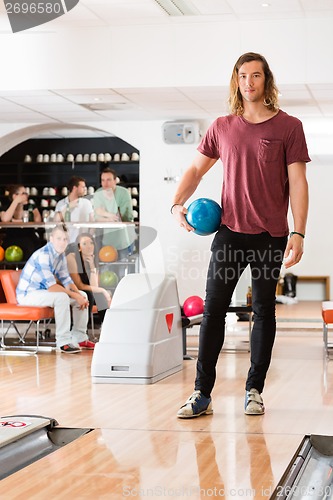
24, 439
190, 321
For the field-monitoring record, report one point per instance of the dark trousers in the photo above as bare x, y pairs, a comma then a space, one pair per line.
100, 301
231, 254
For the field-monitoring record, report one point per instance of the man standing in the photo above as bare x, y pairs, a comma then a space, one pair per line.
264, 152
45, 281
74, 207
113, 203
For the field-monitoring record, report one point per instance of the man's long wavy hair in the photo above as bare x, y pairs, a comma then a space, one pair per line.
271, 91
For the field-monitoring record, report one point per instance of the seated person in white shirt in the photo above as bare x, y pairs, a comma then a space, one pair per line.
74, 207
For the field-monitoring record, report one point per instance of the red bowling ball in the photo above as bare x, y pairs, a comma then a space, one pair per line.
193, 306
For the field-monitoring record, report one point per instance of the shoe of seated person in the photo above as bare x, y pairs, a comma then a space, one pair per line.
69, 349
87, 344
196, 405
254, 404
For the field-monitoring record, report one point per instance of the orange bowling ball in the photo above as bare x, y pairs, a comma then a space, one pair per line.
108, 253
2, 253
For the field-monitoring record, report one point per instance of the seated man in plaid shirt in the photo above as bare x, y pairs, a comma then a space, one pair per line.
45, 281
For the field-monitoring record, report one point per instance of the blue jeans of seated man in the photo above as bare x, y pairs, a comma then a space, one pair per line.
231, 254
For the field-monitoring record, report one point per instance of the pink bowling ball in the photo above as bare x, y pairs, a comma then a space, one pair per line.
193, 306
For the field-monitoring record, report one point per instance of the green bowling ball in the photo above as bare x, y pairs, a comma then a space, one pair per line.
14, 254
108, 279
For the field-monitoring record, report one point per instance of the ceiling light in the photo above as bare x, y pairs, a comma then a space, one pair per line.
108, 106
265, 4
177, 7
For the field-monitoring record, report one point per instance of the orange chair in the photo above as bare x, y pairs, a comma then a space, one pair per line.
327, 315
11, 311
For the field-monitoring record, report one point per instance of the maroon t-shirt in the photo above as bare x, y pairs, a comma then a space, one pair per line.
255, 156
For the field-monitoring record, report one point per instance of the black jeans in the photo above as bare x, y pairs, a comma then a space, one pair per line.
231, 254
100, 301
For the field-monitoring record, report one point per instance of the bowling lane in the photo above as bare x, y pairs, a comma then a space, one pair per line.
60, 387
138, 441
116, 464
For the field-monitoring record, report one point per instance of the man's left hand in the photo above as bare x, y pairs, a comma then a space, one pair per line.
294, 251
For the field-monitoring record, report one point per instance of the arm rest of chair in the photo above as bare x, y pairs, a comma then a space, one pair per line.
327, 311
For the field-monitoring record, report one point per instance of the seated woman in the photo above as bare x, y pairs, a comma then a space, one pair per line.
18, 197
82, 262
12, 211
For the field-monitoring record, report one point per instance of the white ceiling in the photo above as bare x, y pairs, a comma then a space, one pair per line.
97, 105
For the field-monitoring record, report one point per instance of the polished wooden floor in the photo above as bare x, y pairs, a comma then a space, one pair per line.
139, 449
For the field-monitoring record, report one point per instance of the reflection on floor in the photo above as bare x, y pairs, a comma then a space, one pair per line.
140, 449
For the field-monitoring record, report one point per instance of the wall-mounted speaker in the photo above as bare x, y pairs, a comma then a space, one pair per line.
181, 132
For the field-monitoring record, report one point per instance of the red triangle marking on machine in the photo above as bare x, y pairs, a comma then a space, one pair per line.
169, 321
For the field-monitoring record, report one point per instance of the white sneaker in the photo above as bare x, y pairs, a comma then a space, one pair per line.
196, 405
254, 404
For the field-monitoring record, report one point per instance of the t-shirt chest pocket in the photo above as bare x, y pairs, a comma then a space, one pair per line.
269, 150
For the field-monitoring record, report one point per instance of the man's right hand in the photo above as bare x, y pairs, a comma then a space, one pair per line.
113, 217
82, 301
179, 212
103, 215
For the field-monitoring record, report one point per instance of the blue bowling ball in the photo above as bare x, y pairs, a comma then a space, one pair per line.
204, 215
